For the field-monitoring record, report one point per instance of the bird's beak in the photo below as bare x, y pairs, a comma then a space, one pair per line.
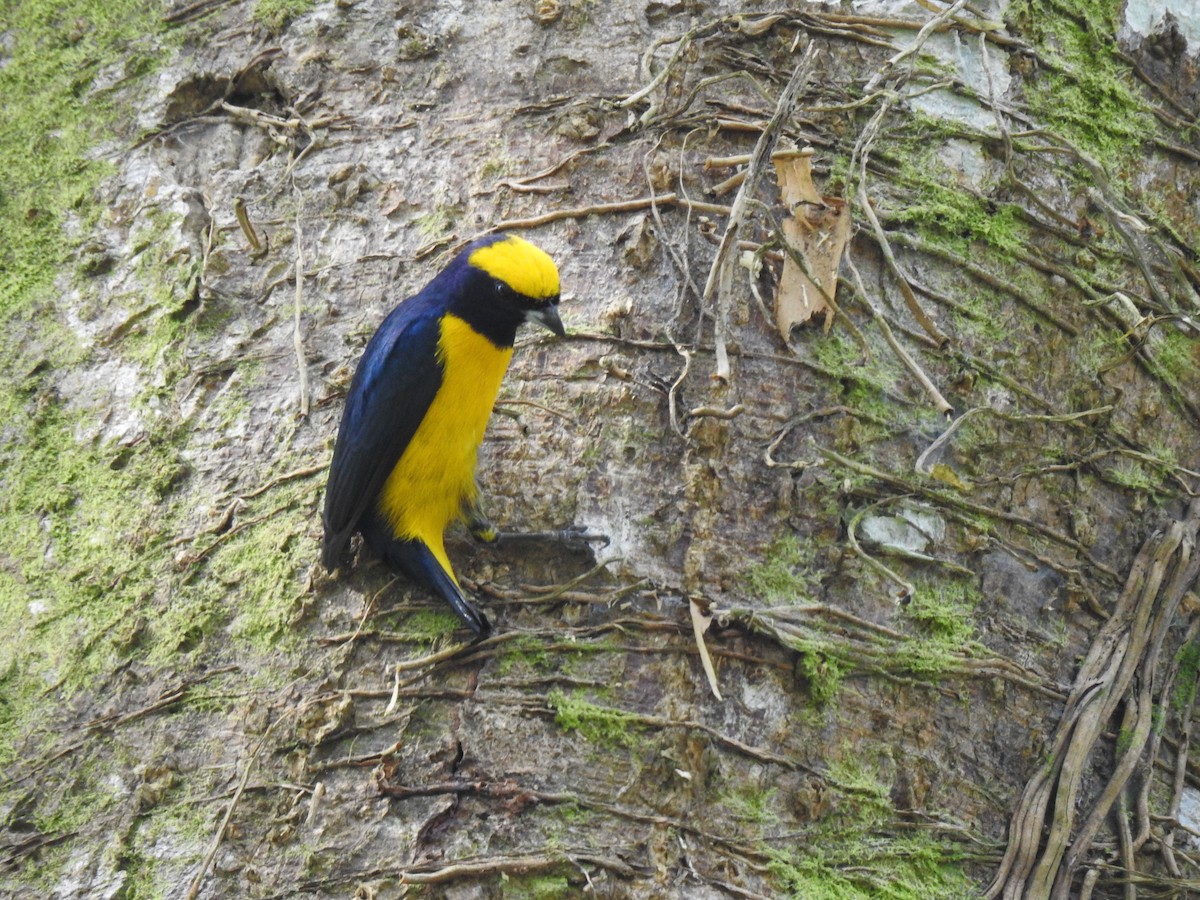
547, 317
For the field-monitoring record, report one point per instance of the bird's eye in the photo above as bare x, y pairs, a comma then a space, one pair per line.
501, 289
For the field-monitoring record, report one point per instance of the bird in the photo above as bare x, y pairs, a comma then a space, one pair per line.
404, 462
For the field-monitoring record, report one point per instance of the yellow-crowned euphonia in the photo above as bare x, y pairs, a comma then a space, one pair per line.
404, 463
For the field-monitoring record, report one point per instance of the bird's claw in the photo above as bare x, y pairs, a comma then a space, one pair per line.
581, 535
572, 536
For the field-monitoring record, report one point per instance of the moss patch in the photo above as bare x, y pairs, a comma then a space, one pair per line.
96, 562
853, 856
785, 573
957, 218
63, 63
83, 521
1087, 96
944, 614
1188, 658
275, 14
536, 887
597, 724
823, 673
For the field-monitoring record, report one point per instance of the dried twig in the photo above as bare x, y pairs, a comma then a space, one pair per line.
302, 472
862, 151
907, 589
105, 724
673, 392
1042, 865
720, 276
684, 41
955, 501
934, 24
206, 863
943, 406
906, 291
620, 206
257, 248
701, 619
525, 182
297, 332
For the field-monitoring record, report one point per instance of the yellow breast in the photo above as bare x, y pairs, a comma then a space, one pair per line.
435, 476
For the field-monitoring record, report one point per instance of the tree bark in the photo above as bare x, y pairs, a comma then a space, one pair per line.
898, 607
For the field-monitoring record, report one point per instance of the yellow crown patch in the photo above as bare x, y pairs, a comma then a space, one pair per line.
526, 269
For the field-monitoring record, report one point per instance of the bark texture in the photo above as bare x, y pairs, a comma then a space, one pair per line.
901, 606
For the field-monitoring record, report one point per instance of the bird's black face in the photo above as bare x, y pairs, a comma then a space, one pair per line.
508, 282
497, 311
542, 312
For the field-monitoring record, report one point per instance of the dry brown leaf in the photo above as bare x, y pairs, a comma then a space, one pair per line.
818, 228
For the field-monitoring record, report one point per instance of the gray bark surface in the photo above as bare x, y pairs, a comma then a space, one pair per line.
943, 547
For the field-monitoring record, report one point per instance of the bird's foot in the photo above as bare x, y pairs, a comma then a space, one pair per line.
479, 524
574, 536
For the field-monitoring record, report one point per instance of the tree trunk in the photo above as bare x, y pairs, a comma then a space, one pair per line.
896, 603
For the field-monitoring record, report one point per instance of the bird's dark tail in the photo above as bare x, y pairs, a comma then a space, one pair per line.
334, 549
416, 560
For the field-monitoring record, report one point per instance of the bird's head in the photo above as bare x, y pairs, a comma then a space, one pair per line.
521, 278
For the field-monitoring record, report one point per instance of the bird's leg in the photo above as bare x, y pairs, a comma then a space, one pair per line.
483, 530
576, 536
478, 523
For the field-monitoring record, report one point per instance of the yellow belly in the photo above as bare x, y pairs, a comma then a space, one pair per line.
435, 476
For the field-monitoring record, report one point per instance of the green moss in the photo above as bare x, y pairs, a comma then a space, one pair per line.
785, 574
1096, 350
866, 382
935, 202
823, 673
536, 887
1133, 474
82, 520
754, 805
1174, 357
60, 51
431, 625
1124, 741
853, 855
597, 724
944, 611
955, 218
976, 320
1163, 453
573, 814
872, 868
524, 654
1188, 660
142, 878
437, 222
275, 14
1158, 719
12, 705
92, 571
494, 167
80, 796
80, 516
261, 567
921, 657
1088, 96
837, 352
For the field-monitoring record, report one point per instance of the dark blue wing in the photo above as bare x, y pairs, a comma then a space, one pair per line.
391, 391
